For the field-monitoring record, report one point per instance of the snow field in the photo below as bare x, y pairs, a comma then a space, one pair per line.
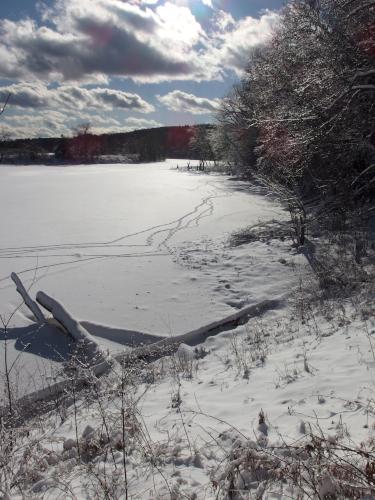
281, 407
189, 413
140, 247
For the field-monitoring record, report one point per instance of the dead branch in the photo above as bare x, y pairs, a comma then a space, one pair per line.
31, 304
5, 104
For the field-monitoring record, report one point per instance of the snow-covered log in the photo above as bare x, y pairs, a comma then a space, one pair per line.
31, 304
101, 363
96, 359
195, 337
42, 400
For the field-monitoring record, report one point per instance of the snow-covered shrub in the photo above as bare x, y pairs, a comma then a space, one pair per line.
319, 467
248, 349
184, 362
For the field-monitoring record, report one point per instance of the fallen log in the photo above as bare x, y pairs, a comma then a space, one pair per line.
96, 359
31, 304
46, 399
101, 363
170, 345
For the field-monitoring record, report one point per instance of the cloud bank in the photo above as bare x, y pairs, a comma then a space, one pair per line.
70, 56
95, 40
39, 96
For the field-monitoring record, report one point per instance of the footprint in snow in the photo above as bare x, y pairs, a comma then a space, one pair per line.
236, 304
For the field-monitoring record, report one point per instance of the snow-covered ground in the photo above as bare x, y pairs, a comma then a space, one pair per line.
282, 404
105, 241
141, 247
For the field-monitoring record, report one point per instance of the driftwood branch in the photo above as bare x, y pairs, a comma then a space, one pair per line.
101, 363
148, 353
170, 345
31, 304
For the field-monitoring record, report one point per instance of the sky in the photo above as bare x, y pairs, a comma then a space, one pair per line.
122, 65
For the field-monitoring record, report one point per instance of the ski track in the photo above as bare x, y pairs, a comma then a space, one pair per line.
202, 210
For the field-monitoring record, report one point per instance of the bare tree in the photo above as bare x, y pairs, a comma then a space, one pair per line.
82, 129
4, 134
5, 104
309, 93
83, 146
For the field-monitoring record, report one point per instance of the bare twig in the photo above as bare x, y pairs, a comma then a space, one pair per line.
5, 104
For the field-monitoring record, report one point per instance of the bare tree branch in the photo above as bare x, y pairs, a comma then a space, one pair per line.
5, 104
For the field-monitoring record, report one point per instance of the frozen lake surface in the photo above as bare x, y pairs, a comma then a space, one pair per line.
140, 247
105, 239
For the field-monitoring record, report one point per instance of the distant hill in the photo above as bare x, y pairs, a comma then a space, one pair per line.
141, 145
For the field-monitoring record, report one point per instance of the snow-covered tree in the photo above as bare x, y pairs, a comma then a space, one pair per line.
309, 94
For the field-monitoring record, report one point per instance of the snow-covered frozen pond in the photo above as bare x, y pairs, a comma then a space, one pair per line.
105, 240
139, 247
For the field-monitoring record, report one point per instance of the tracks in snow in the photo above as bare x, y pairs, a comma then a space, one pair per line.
156, 243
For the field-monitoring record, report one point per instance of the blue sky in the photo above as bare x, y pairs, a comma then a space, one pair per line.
123, 64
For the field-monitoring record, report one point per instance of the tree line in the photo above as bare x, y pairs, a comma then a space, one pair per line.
302, 117
84, 146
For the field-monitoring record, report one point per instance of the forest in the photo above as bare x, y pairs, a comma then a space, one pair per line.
146, 145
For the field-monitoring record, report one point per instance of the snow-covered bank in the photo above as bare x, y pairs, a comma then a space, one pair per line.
279, 407
140, 247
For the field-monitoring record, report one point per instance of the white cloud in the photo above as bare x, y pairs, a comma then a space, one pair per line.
92, 38
100, 125
139, 123
35, 125
19, 122
91, 41
234, 40
224, 21
144, 2
179, 27
189, 103
52, 112
39, 96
